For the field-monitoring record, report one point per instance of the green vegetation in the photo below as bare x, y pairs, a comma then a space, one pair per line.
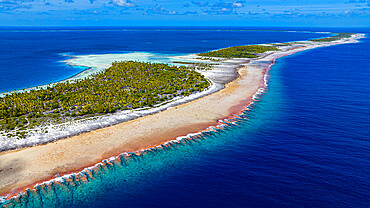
125, 85
334, 38
208, 59
283, 44
196, 65
185, 62
247, 51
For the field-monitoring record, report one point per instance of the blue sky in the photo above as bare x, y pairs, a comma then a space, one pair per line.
320, 13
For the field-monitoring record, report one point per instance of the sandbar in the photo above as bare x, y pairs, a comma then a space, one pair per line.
26, 167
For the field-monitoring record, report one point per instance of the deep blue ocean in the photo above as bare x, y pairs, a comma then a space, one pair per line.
31, 56
305, 143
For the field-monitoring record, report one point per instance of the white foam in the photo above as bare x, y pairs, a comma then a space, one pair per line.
97, 63
102, 61
56, 132
221, 123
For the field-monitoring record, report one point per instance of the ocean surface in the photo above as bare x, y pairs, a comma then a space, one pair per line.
305, 143
31, 56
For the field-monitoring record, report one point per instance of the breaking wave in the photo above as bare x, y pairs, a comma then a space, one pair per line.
68, 187
52, 132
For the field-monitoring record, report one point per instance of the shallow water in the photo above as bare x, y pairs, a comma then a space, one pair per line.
30, 57
100, 57
305, 143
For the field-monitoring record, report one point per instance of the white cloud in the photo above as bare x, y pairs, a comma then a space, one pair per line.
225, 10
237, 4
123, 3
158, 9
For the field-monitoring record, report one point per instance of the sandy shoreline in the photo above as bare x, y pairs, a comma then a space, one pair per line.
224, 72
25, 167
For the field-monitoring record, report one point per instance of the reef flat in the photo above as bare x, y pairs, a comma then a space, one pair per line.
123, 86
23, 168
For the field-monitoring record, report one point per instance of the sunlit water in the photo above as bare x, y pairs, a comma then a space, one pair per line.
305, 143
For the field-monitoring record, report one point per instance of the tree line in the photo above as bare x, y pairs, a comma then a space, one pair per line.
125, 85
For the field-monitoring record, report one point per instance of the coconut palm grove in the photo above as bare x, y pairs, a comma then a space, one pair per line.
123, 86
